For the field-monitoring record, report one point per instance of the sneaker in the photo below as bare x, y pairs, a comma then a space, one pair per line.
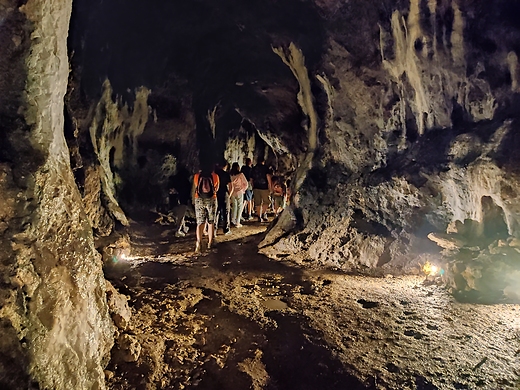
250, 218
264, 219
228, 232
210, 244
180, 234
239, 225
197, 247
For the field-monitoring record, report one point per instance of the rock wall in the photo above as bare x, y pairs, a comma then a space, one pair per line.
419, 135
57, 332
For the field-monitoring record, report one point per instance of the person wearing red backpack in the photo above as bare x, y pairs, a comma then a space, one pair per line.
205, 186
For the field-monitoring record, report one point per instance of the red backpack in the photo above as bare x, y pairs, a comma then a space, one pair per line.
205, 187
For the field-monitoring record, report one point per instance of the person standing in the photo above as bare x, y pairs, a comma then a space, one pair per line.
223, 202
248, 193
205, 187
239, 185
261, 188
278, 196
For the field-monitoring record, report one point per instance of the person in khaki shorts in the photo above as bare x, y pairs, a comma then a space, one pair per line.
205, 186
261, 181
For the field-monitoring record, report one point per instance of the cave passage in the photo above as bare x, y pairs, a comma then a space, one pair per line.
394, 126
230, 318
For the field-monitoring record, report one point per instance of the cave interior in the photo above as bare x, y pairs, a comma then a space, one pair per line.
395, 262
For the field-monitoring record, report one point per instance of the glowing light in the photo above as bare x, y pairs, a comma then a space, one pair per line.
431, 269
123, 256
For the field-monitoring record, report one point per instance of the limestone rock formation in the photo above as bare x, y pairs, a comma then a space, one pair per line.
56, 329
118, 307
418, 139
394, 120
397, 122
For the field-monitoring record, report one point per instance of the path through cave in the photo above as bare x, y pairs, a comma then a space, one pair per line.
396, 126
231, 318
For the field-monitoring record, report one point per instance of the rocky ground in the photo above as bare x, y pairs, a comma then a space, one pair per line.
233, 319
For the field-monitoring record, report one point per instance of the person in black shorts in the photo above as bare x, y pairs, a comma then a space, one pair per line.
261, 188
248, 194
223, 201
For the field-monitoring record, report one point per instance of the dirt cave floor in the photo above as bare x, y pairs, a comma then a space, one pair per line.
230, 318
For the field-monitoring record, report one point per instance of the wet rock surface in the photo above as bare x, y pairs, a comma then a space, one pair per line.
233, 319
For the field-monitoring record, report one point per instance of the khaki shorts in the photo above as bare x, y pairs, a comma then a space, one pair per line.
261, 196
205, 210
279, 201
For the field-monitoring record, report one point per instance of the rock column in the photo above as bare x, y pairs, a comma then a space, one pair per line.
56, 329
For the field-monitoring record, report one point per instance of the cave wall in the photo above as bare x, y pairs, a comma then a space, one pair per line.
56, 330
424, 115
394, 119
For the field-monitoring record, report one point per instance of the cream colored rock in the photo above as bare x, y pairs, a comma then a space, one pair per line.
118, 307
446, 241
129, 348
59, 332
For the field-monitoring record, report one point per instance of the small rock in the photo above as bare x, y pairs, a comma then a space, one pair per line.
109, 375
391, 367
367, 304
129, 347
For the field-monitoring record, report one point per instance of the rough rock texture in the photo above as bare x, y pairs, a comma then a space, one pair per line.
393, 119
230, 318
56, 329
418, 138
118, 307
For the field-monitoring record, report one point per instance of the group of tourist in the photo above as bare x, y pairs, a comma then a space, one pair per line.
224, 196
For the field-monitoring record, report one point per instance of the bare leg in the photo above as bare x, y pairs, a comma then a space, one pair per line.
259, 211
264, 209
200, 229
211, 229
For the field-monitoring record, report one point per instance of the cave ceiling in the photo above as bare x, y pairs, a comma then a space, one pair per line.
220, 52
205, 51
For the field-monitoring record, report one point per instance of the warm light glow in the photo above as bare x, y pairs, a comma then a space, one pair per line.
123, 256
431, 270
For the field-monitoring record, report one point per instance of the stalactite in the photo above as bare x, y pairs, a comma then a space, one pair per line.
294, 59
240, 146
419, 82
212, 120
134, 122
413, 24
514, 71
406, 62
329, 90
457, 37
114, 123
